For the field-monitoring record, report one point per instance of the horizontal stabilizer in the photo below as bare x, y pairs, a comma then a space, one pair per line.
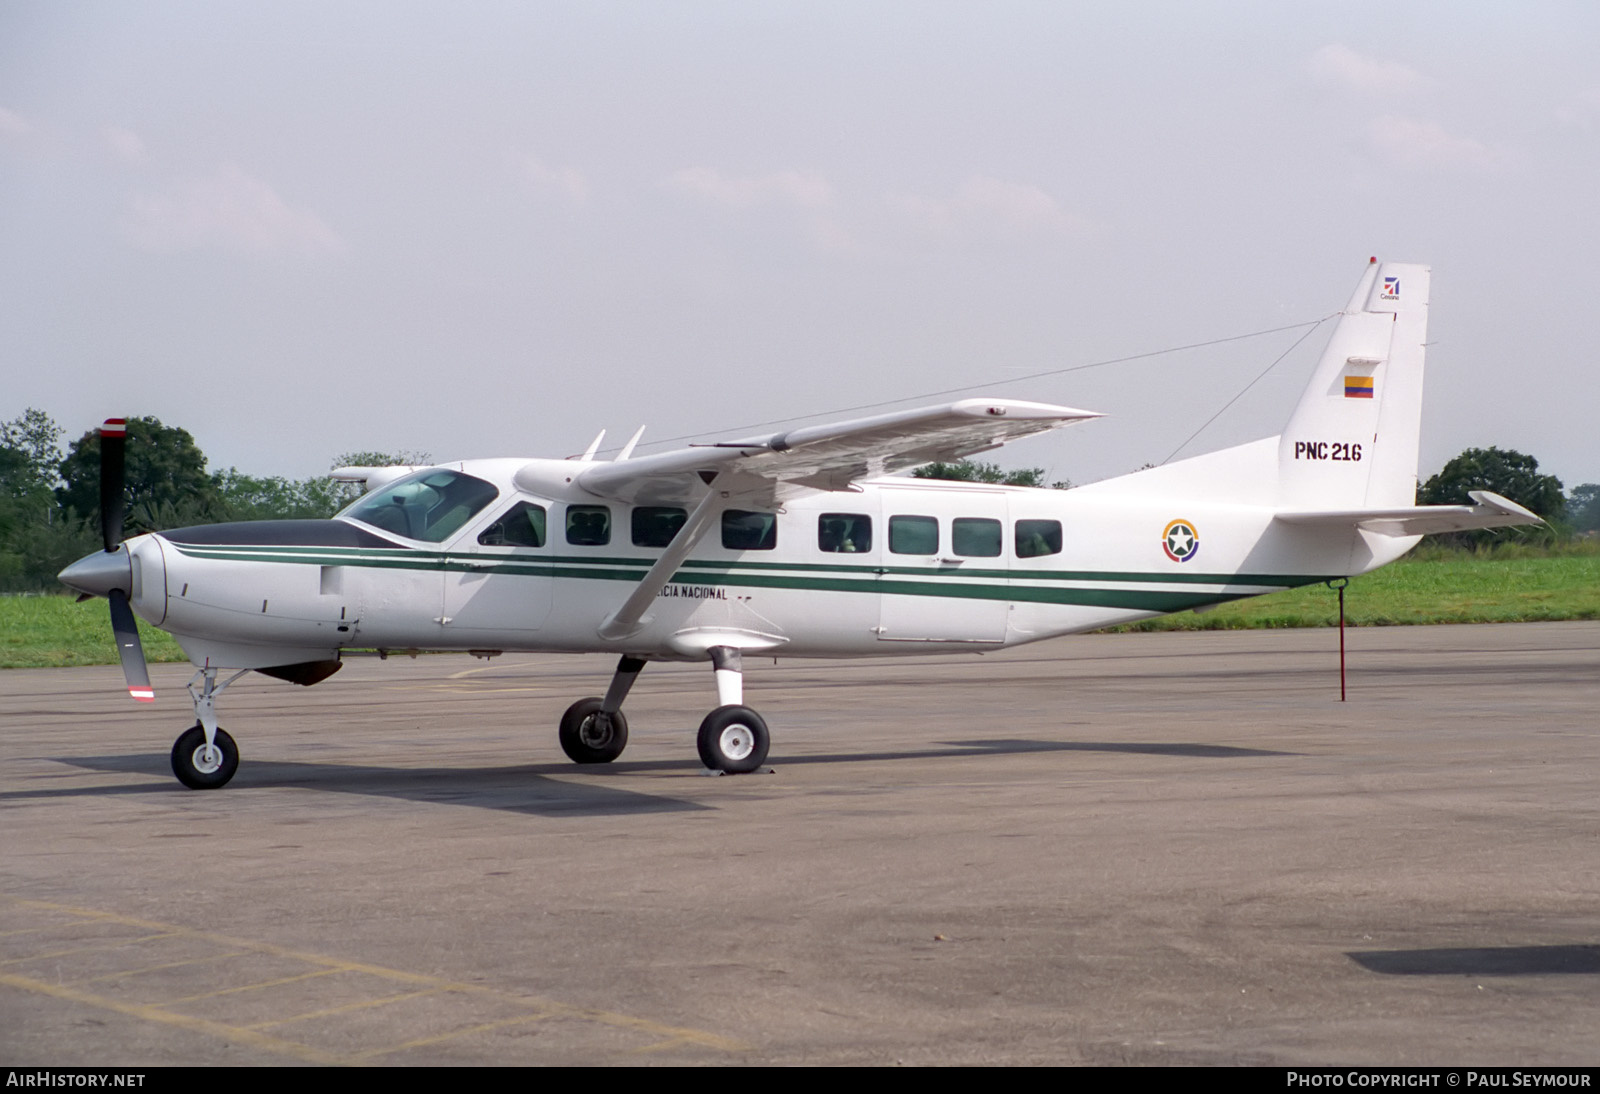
1491, 511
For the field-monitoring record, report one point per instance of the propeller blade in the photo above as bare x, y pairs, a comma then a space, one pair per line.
129, 648
113, 445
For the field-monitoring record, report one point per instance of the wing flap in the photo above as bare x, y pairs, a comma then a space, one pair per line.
1491, 511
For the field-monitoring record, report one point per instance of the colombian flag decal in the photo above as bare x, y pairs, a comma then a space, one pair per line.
1358, 387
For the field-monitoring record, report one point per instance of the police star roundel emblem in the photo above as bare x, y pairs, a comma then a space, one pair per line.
1180, 541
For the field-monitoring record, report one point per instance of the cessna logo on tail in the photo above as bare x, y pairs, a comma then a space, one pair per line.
1391, 288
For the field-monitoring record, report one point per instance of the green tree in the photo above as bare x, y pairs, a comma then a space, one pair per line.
1583, 507
32, 443
247, 497
14, 513
36, 539
166, 480
978, 471
1506, 472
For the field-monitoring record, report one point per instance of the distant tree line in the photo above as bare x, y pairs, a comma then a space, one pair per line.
50, 496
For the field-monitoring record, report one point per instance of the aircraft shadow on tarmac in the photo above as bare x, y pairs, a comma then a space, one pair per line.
1481, 961
529, 788
523, 789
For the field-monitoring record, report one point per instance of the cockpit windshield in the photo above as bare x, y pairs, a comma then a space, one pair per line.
430, 505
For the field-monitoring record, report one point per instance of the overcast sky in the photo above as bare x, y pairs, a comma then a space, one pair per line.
479, 229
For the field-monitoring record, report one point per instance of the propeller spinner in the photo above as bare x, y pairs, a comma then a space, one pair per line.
109, 573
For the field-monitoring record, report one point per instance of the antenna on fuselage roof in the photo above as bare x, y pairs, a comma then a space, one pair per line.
594, 446
627, 449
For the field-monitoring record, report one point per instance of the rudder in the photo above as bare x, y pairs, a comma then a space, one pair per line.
1352, 441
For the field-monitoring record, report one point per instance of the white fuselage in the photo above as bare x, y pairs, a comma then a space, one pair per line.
896, 566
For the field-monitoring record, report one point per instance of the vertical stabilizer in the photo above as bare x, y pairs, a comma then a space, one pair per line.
1352, 440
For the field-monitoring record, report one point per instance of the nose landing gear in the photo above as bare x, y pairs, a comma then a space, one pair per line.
201, 764
204, 757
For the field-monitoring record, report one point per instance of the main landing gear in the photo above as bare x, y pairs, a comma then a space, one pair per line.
204, 757
733, 739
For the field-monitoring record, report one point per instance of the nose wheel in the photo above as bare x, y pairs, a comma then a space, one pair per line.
200, 766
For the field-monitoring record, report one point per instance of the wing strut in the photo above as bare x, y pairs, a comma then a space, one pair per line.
625, 621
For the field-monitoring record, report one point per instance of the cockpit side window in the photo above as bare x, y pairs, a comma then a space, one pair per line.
430, 505
524, 525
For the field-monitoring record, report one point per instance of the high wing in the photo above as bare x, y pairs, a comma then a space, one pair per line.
1491, 511
764, 470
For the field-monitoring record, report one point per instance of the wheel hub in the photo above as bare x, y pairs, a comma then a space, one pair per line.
596, 730
208, 759
737, 742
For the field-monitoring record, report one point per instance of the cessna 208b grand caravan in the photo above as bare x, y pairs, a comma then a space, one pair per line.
798, 544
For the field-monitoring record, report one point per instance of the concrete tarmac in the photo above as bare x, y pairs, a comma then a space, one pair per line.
1127, 849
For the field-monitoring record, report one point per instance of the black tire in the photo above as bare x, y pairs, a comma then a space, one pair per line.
591, 736
733, 739
193, 771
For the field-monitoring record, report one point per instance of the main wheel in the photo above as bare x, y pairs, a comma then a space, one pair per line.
733, 739
591, 736
202, 769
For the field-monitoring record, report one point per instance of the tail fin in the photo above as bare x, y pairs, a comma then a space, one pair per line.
1352, 441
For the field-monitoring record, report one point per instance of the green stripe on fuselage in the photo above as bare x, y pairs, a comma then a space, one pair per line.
948, 581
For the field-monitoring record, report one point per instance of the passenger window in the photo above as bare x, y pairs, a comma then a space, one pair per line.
1038, 537
846, 533
522, 526
746, 531
914, 535
655, 525
975, 537
589, 525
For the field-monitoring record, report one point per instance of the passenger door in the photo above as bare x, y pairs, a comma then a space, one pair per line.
955, 589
